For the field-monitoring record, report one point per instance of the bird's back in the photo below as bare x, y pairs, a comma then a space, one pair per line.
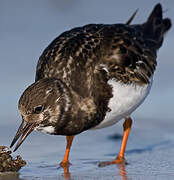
128, 52
86, 58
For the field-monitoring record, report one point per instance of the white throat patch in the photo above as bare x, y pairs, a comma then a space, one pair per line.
47, 129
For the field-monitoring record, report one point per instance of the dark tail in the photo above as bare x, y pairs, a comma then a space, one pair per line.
156, 26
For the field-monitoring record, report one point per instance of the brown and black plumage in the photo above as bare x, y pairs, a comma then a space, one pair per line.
83, 76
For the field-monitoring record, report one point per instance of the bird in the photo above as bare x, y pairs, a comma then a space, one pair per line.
92, 77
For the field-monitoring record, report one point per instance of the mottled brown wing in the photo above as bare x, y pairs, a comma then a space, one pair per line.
130, 57
77, 53
70, 52
128, 52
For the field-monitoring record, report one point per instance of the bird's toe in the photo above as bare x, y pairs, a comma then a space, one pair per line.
118, 160
65, 164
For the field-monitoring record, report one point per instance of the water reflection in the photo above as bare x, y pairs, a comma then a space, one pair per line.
66, 174
122, 171
121, 167
9, 176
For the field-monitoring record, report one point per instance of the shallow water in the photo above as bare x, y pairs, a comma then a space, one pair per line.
149, 153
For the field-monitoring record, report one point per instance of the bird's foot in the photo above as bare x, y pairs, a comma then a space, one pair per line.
65, 164
118, 160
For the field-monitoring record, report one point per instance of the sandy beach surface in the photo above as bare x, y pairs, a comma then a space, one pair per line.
149, 153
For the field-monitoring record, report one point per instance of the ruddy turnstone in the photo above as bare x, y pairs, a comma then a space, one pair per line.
91, 77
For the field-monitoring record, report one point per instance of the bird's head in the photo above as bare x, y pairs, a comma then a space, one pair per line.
41, 105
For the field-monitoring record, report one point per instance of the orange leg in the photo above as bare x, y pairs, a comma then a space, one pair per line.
65, 161
120, 158
127, 128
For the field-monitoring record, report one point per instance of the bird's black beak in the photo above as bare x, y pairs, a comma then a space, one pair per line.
24, 130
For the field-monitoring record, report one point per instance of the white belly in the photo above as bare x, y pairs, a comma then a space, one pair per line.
126, 98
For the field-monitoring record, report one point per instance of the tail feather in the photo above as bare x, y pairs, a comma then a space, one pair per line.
156, 13
155, 27
167, 24
131, 18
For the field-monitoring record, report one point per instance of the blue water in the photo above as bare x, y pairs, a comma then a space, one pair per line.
27, 27
149, 153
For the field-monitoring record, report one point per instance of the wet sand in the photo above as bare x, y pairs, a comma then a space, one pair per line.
149, 153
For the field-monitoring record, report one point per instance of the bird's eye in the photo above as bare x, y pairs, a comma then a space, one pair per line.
38, 109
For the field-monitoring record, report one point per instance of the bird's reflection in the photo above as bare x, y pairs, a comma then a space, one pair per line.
121, 168
66, 173
122, 171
